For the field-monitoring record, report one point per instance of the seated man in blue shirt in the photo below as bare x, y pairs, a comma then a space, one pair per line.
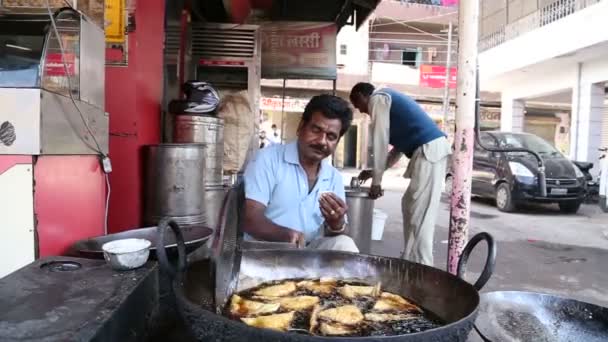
292, 193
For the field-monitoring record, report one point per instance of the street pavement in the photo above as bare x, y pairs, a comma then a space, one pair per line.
539, 248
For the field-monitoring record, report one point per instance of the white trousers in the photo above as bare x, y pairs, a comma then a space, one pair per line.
335, 243
420, 203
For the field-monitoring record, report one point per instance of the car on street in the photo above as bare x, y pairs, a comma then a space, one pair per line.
511, 177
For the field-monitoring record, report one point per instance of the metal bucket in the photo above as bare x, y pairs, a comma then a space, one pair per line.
208, 130
360, 217
174, 184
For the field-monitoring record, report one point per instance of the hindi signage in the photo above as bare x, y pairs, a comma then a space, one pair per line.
433, 76
299, 50
276, 104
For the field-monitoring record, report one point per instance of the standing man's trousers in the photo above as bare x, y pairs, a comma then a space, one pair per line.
420, 203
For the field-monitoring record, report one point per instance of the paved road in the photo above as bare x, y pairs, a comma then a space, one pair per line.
539, 249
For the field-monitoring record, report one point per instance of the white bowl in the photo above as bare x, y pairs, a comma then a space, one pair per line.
126, 254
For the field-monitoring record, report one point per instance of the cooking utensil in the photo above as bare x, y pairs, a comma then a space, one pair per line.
126, 254
452, 299
507, 316
360, 217
91, 248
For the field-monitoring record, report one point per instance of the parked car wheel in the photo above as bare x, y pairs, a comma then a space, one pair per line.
449, 183
504, 198
569, 207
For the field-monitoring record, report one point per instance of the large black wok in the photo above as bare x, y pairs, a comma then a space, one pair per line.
447, 296
509, 316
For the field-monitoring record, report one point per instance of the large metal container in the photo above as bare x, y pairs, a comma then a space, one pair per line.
208, 130
360, 217
175, 183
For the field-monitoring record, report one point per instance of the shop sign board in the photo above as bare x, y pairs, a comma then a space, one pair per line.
275, 104
299, 50
115, 21
433, 76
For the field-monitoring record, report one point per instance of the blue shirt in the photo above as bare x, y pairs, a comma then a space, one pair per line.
276, 179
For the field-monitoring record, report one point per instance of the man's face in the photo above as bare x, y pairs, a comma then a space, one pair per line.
318, 138
360, 102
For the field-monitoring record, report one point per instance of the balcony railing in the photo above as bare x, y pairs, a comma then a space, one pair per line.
544, 16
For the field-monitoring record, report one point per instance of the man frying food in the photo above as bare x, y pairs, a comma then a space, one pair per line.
292, 193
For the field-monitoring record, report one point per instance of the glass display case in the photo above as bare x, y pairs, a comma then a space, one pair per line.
50, 108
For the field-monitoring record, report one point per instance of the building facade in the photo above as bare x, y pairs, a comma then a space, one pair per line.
554, 53
402, 42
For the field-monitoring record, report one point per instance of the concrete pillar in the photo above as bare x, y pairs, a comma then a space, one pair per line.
587, 107
512, 114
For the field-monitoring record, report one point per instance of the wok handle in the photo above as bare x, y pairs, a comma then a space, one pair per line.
161, 252
488, 268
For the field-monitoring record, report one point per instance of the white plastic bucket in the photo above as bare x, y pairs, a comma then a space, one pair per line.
378, 224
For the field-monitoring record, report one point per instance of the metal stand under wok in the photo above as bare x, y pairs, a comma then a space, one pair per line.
201, 290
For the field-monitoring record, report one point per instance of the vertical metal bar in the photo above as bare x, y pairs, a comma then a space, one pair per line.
577, 110
448, 74
462, 158
333, 158
283, 112
183, 36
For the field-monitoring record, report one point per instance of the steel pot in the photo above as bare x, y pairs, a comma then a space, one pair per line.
360, 217
447, 296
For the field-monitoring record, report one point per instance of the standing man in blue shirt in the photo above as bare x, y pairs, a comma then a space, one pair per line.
292, 192
399, 121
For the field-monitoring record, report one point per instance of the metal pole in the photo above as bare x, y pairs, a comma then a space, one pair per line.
446, 87
468, 19
283, 111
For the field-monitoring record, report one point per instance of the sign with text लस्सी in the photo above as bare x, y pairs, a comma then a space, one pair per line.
433, 76
54, 64
276, 104
299, 50
115, 21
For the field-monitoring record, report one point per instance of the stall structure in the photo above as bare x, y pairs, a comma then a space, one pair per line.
54, 134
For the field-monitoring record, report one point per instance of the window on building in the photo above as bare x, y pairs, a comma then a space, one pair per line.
411, 57
343, 49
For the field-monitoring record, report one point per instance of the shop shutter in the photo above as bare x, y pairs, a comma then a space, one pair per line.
172, 38
605, 125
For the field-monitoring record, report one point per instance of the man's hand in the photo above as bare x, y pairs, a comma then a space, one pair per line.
295, 237
333, 209
261, 228
365, 175
376, 192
